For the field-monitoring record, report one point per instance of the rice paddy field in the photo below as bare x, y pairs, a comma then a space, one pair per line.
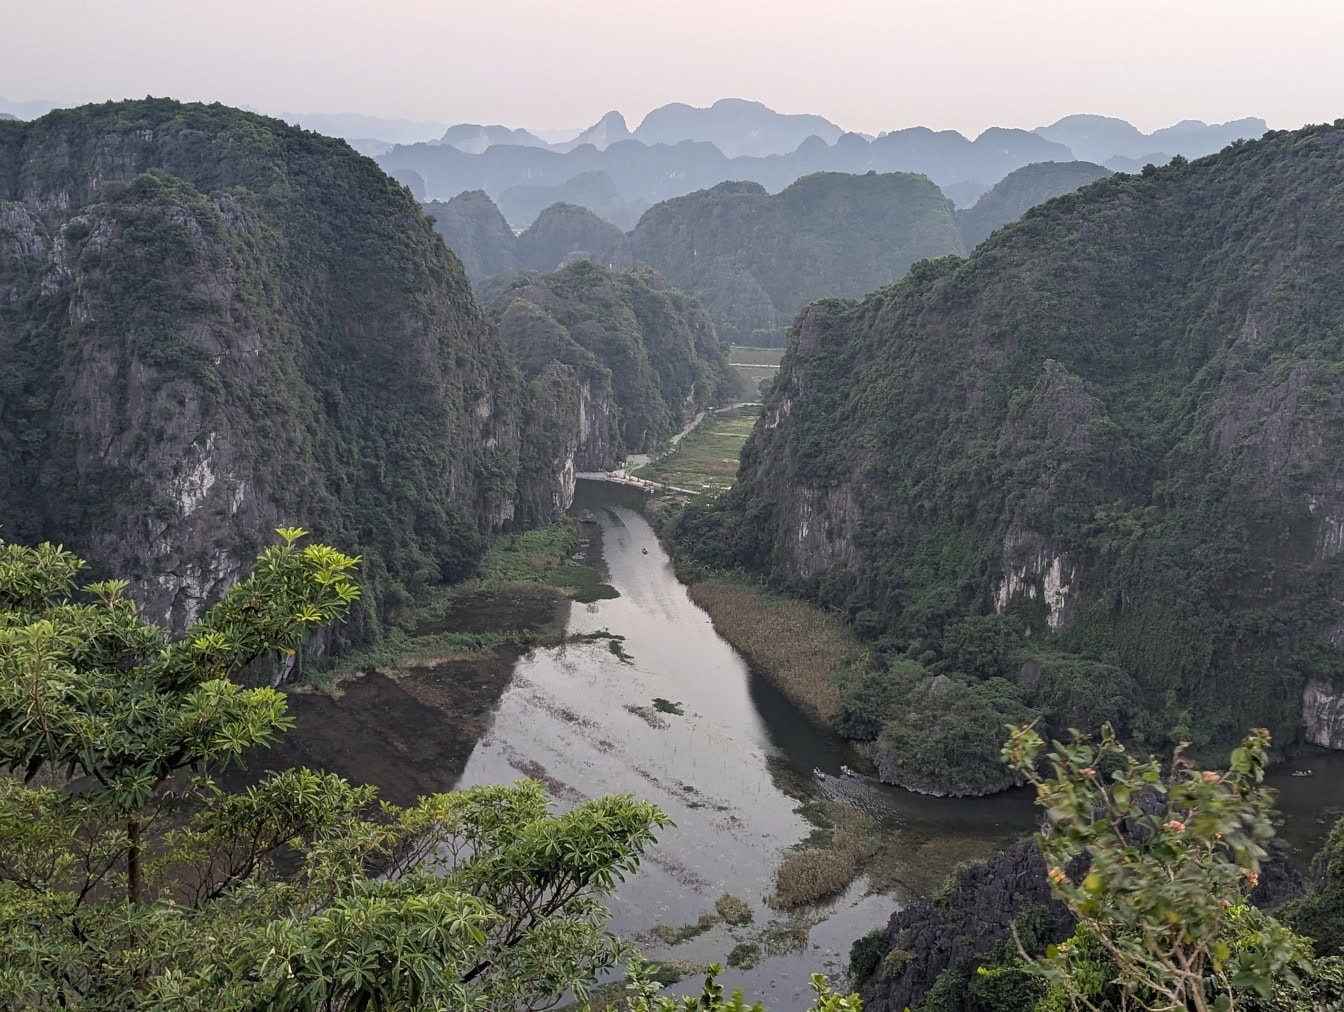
705, 462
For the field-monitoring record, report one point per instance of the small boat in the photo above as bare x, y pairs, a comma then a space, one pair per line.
1304, 773
645, 551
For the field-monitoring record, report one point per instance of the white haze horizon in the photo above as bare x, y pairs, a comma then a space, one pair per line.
866, 65
433, 129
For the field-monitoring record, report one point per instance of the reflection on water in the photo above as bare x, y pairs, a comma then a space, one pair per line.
730, 768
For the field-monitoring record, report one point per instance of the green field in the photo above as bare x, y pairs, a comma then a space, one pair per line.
706, 460
738, 355
754, 365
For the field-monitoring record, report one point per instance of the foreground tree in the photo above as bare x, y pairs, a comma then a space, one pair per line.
1156, 862
129, 879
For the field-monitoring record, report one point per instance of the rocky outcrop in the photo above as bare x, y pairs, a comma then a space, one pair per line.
645, 359
929, 938
978, 908
1323, 715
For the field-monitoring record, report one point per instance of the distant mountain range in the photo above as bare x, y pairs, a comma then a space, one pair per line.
28, 109
679, 149
753, 259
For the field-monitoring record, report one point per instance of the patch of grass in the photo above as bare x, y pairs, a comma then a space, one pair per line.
813, 874
667, 706
648, 716
814, 871
529, 555
397, 653
802, 649
744, 955
784, 936
705, 462
517, 600
675, 936
544, 555
732, 910
584, 582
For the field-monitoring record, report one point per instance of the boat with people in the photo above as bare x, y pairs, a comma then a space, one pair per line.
1304, 773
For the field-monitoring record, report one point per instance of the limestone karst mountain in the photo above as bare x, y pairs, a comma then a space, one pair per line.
213, 324
1085, 474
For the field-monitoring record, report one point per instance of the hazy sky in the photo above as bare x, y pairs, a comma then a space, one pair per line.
866, 64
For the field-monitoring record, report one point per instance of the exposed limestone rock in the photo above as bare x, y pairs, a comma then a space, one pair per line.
1323, 715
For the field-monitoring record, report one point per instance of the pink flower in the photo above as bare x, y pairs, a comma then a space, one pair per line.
1175, 825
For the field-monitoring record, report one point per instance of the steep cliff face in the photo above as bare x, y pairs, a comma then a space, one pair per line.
1115, 422
213, 324
1323, 715
644, 358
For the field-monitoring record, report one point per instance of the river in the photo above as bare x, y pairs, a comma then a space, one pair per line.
732, 769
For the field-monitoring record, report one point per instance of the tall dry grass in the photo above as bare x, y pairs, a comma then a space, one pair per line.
811, 874
800, 648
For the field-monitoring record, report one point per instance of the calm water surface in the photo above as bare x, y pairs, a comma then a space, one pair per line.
732, 768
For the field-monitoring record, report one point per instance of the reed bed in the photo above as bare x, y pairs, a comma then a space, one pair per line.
802, 649
811, 874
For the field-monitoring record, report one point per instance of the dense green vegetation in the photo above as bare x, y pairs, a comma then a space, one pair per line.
1020, 190
1158, 866
1112, 424
646, 355
754, 259
130, 878
475, 229
213, 322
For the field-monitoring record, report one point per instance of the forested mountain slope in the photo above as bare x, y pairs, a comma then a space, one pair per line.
646, 356
1116, 424
212, 324
476, 231
1009, 198
754, 259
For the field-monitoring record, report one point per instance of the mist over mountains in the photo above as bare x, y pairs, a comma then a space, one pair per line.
753, 259
678, 149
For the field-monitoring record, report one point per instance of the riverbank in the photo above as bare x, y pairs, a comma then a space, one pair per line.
406, 713
804, 651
